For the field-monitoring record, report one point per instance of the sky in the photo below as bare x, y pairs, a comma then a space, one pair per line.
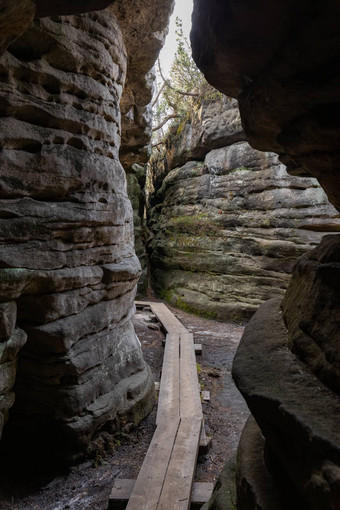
183, 9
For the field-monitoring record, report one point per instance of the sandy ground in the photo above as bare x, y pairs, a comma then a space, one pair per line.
87, 486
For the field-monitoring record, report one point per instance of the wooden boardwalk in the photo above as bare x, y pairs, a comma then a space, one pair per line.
165, 480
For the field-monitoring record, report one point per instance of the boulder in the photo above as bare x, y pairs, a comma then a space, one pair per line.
311, 309
289, 404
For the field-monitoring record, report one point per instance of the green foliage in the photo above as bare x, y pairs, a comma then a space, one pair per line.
183, 93
177, 102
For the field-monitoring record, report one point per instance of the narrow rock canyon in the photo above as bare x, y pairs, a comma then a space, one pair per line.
232, 235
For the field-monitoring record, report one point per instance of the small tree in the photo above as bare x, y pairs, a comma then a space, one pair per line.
178, 97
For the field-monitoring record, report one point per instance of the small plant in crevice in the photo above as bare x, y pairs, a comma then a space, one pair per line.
105, 444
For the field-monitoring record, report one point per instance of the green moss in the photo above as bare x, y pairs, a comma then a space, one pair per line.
170, 296
265, 223
195, 225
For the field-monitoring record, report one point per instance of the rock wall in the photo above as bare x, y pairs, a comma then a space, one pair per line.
16, 15
229, 222
144, 29
280, 60
68, 268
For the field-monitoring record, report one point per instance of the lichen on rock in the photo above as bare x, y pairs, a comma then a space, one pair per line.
228, 221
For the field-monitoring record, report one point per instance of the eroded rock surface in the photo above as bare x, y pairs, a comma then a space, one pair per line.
67, 254
311, 308
144, 26
280, 60
229, 223
297, 414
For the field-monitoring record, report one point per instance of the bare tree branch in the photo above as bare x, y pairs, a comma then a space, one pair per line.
158, 144
168, 84
164, 121
158, 94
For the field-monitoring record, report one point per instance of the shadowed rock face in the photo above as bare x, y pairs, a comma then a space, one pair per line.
16, 15
279, 59
229, 228
15, 18
65, 7
311, 309
68, 269
144, 26
297, 414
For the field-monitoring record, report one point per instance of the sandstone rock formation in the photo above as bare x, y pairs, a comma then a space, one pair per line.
311, 309
297, 414
280, 61
228, 221
68, 268
142, 45
16, 15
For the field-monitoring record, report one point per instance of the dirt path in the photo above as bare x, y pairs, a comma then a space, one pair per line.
87, 486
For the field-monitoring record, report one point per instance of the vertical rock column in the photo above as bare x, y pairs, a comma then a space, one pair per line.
67, 259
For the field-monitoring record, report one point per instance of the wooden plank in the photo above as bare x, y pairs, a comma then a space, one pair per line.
148, 486
205, 442
201, 493
190, 399
168, 399
205, 396
167, 318
166, 477
142, 304
198, 349
180, 475
122, 490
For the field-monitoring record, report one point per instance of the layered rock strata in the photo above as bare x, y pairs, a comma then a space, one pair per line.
280, 60
144, 26
67, 259
16, 15
297, 414
229, 222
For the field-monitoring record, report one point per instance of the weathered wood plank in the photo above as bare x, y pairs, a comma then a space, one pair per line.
141, 304
205, 442
198, 349
168, 399
120, 493
190, 400
176, 492
122, 489
166, 477
201, 493
167, 318
148, 486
